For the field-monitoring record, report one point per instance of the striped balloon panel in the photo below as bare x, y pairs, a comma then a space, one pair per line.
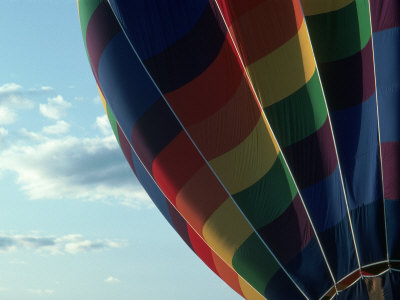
386, 40
140, 106
174, 218
187, 233
121, 77
252, 170
342, 43
272, 40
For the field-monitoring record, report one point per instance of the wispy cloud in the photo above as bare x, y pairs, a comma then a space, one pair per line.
12, 89
7, 115
30, 136
67, 244
55, 108
103, 124
3, 135
8, 88
15, 96
3, 132
74, 168
46, 88
41, 292
60, 127
11, 99
111, 279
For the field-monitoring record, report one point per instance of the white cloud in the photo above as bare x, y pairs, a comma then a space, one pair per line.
3, 289
11, 95
73, 168
67, 244
41, 292
75, 244
9, 88
11, 99
43, 90
104, 125
7, 115
59, 128
111, 279
55, 108
3, 132
46, 88
31, 136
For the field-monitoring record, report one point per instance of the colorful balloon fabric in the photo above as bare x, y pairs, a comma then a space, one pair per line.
267, 133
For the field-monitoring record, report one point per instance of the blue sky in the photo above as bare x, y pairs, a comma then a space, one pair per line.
74, 222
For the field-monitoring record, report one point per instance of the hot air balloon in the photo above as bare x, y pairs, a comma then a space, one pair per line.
265, 131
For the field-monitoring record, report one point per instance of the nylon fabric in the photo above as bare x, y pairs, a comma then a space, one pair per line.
293, 103
159, 158
315, 7
174, 218
266, 132
238, 157
342, 45
385, 17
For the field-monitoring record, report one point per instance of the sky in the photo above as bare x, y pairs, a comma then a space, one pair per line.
74, 221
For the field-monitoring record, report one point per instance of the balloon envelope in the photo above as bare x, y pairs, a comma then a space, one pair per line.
266, 132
